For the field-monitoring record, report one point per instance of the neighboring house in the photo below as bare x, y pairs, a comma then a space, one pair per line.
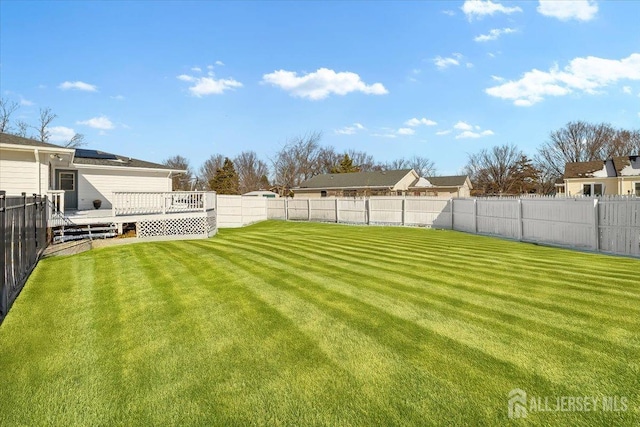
442, 186
30, 166
616, 176
403, 182
262, 193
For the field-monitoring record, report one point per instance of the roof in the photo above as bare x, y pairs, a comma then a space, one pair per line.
441, 181
7, 138
356, 179
610, 168
102, 158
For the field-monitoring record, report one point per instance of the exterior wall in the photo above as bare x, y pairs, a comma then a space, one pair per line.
19, 173
405, 182
101, 183
574, 185
440, 192
628, 185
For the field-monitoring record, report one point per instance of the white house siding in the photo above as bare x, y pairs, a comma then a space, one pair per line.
19, 172
101, 183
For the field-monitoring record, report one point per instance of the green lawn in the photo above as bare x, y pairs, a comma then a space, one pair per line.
318, 324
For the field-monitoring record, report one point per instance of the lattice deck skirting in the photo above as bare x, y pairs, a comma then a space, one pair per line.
190, 227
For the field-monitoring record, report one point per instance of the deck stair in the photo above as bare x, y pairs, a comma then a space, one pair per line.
69, 232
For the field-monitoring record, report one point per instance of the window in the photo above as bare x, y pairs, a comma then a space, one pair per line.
399, 192
593, 189
637, 188
67, 181
323, 193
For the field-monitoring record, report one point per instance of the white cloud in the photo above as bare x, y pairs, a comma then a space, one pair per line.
117, 97
350, 130
580, 10
60, 133
417, 122
219, 63
406, 131
443, 63
443, 132
196, 69
449, 12
627, 90
586, 75
462, 126
321, 83
479, 8
494, 34
470, 134
101, 122
385, 135
497, 78
78, 86
25, 102
209, 85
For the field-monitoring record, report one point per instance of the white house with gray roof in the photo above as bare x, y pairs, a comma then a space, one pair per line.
31, 166
402, 182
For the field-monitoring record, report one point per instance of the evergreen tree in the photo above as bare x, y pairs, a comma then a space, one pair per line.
225, 181
346, 166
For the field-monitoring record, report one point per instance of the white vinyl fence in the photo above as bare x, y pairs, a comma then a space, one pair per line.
608, 224
236, 211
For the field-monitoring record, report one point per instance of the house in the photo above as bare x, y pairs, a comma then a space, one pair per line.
615, 176
262, 193
91, 189
403, 182
31, 166
442, 186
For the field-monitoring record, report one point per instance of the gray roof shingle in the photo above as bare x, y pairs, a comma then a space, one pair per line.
356, 179
446, 181
7, 138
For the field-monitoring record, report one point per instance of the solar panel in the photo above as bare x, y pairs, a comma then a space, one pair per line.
94, 154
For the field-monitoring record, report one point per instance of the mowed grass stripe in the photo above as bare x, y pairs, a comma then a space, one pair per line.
535, 333
419, 285
316, 324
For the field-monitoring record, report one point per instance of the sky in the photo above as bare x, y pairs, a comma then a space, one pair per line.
437, 79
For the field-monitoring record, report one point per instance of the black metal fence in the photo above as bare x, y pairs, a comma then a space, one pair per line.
23, 238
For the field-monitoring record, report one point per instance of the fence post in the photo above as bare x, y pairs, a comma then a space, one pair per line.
520, 225
35, 220
23, 237
475, 216
286, 209
337, 217
596, 224
3, 255
367, 211
451, 207
404, 206
308, 209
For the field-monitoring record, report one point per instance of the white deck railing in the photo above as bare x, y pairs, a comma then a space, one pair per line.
56, 201
141, 203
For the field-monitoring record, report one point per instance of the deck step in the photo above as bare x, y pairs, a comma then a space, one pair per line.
79, 232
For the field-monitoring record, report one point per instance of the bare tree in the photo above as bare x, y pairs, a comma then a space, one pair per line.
183, 181
328, 159
495, 171
250, 170
297, 161
208, 170
625, 143
46, 117
76, 141
575, 142
365, 162
7, 108
22, 128
396, 164
422, 165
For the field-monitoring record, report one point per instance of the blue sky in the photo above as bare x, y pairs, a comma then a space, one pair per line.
154, 79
